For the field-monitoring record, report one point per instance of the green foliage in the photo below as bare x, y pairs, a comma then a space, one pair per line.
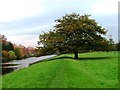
32, 55
7, 46
11, 52
79, 32
74, 33
12, 55
118, 46
17, 53
3, 46
25, 56
95, 70
5, 59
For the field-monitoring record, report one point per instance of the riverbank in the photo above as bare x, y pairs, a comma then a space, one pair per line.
19, 64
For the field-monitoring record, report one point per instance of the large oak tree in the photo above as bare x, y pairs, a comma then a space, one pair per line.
74, 33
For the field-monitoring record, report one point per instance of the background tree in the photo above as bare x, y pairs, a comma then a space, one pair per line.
7, 46
4, 46
50, 41
118, 46
12, 55
4, 56
74, 33
17, 53
4, 53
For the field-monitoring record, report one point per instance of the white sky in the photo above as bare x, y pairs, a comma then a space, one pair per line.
17, 9
21, 21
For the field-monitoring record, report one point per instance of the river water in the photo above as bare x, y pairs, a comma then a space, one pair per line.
19, 64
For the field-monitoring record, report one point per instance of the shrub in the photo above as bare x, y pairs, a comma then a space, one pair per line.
32, 55
4, 53
17, 53
12, 55
4, 59
24, 56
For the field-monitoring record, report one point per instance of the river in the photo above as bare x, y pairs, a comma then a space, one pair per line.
19, 64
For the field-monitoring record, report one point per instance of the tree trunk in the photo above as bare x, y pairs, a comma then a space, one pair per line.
76, 55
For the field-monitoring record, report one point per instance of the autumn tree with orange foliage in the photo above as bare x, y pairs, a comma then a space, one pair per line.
4, 53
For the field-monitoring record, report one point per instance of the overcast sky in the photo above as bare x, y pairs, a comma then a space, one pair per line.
21, 21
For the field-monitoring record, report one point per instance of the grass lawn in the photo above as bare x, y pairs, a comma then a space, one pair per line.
92, 70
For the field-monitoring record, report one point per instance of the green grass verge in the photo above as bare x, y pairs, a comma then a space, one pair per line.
92, 70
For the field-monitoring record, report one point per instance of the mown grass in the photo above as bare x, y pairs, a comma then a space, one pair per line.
91, 70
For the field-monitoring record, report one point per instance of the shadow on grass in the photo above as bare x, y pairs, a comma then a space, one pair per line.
93, 58
84, 58
67, 57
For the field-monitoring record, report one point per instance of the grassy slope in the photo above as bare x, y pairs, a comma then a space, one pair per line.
88, 72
